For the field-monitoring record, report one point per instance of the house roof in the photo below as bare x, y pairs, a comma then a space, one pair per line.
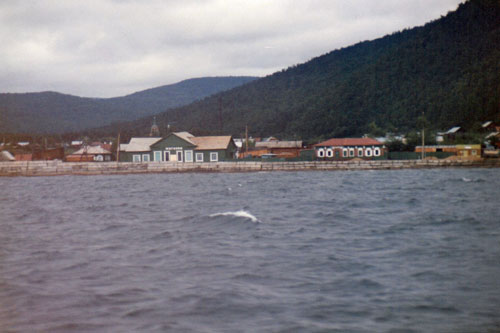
6, 156
349, 142
91, 150
140, 144
211, 142
185, 136
279, 144
486, 124
453, 130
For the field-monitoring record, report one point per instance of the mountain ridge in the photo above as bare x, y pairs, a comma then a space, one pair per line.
447, 69
55, 112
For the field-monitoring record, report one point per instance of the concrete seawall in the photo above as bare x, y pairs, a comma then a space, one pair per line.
55, 168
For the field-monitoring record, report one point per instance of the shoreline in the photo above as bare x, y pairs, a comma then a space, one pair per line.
59, 168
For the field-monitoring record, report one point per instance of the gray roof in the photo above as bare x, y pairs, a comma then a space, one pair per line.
453, 130
185, 136
6, 156
140, 144
279, 144
91, 150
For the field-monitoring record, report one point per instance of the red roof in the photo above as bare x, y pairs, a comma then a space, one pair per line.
350, 142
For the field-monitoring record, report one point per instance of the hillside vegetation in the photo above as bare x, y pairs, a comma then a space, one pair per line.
448, 69
52, 112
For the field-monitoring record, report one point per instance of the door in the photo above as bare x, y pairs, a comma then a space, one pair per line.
157, 156
167, 156
179, 156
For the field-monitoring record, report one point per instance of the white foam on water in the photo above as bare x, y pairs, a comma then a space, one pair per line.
240, 213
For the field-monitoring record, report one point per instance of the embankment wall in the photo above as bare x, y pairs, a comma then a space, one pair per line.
55, 168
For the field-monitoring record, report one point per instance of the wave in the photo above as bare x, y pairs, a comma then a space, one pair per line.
240, 213
471, 180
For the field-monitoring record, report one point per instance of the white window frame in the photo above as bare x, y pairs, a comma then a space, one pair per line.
329, 153
360, 152
188, 155
199, 157
368, 152
321, 152
212, 154
351, 152
136, 158
376, 151
145, 157
344, 152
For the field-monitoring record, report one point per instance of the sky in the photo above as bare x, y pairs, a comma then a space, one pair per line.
110, 48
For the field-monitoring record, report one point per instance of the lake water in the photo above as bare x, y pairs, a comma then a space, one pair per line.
372, 251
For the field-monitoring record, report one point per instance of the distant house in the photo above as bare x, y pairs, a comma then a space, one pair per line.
137, 150
179, 147
437, 149
348, 148
5, 156
490, 126
275, 148
471, 151
90, 154
450, 134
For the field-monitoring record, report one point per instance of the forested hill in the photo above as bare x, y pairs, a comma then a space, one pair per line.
449, 69
51, 112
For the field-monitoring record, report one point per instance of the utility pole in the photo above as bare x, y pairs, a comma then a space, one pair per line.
423, 137
246, 138
118, 148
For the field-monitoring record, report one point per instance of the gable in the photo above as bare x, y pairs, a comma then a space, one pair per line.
172, 140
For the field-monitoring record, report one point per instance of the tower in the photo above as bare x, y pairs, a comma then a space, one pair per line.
155, 130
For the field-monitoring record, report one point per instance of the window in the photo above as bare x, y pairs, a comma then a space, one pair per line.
360, 152
344, 152
166, 156
145, 157
179, 156
474, 152
188, 154
329, 152
351, 152
136, 158
157, 156
98, 158
321, 152
376, 151
368, 152
199, 157
214, 157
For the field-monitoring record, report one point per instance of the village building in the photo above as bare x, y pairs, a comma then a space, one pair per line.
6, 156
179, 147
472, 151
437, 149
137, 150
90, 154
275, 148
465, 151
349, 148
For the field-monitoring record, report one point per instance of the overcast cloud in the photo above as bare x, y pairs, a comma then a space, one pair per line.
111, 48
